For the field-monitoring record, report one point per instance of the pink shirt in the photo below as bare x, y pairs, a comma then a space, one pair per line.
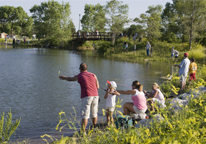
88, 84
139, 100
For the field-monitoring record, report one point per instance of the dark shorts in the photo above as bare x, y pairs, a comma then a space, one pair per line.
172, 55
192, 77
176, 56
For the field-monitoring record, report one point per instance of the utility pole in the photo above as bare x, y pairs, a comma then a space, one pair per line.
79, 20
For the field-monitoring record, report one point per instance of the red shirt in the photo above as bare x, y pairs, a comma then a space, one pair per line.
88, 84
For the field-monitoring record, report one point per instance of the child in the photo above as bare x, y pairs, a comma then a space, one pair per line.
176, 54
110, 97
134, 47
156, 96
127, 47
172, 53
192, 70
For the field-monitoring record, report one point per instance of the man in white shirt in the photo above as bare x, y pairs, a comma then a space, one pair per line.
183, 71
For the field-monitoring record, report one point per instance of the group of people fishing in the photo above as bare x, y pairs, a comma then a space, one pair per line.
90, 98
141, 99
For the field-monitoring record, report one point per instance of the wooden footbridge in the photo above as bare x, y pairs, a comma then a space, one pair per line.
92, 36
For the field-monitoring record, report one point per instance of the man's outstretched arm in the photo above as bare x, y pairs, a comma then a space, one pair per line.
75, 78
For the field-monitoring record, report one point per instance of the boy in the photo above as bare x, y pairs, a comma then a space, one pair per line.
110, 97
176, 54
192, 70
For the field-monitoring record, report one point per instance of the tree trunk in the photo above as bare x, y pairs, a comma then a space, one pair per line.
191, 27
190, 41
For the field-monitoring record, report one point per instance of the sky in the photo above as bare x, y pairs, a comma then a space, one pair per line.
136, 7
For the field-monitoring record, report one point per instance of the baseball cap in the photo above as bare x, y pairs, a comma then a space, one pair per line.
186, 54
113, 84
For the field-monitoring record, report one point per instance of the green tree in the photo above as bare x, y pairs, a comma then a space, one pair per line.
170, 30
72, 27
135, 29
117, 17
93, 18
52, 20
191, 16
14, 20
151, 22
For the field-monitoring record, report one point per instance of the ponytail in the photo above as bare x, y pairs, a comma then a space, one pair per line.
136, 84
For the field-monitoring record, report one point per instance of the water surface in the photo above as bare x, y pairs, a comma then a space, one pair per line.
30, 87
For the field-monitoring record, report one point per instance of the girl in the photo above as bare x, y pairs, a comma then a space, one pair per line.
139, 104
110, 97
156, 96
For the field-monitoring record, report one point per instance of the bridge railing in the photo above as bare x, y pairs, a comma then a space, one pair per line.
92, 36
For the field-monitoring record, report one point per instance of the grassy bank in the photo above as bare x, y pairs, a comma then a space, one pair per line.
187, 125
161, 50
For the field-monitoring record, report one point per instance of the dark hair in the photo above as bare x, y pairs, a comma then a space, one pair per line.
83, 66
140, 87
193, 59
136, 84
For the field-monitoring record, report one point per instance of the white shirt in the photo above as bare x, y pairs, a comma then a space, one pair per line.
160, 95
111, 100
184, 67
176, 53
148, 46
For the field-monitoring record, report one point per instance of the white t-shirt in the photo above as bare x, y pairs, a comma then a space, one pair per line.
111, 100
148, 46
184, 67
160, 96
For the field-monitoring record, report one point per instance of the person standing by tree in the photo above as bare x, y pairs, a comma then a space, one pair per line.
183, 71
148, 46
126, 47
89, 93
6, 39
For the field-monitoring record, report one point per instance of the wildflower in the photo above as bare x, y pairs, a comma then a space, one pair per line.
60, 113
103, 111
147, 131
118, 106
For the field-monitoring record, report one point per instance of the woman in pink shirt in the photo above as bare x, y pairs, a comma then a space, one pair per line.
139, 104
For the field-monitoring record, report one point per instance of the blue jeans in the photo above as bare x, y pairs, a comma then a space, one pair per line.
147, 52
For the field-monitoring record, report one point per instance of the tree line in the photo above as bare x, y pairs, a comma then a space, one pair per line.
179, 21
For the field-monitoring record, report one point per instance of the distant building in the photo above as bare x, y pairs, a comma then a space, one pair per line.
2, 35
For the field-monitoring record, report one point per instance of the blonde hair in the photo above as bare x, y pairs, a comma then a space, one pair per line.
140, 87
156, 85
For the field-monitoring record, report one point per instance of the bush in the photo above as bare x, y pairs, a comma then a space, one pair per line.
197, 53
104, 46
201, 72
87, 44
7, 128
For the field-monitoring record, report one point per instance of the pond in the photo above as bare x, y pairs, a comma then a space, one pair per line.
30, 87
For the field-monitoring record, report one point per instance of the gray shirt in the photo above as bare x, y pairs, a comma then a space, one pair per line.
184, 67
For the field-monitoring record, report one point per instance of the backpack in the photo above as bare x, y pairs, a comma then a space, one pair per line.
123, 122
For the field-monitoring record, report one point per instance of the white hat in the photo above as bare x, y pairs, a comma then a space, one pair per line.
113, 84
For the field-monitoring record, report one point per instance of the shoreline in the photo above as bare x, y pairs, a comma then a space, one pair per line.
114, 59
